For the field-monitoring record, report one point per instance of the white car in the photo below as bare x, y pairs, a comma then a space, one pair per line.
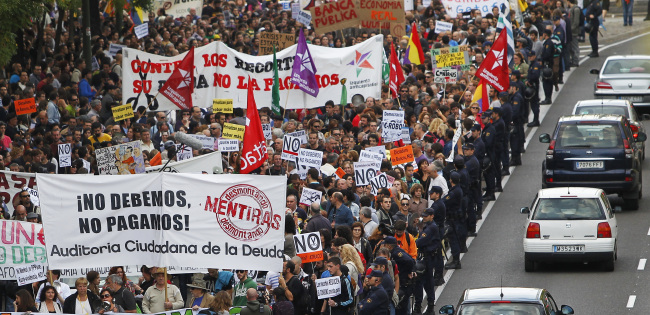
570, 224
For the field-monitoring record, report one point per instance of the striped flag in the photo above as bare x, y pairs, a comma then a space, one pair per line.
505, 23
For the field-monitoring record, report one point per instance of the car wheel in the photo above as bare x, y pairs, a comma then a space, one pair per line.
530, 265
608, 265
633, 203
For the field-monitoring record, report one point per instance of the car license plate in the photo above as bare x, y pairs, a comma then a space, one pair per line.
568, 248
635, 98
589, 164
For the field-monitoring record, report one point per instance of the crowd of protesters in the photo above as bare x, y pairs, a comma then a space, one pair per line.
386, 248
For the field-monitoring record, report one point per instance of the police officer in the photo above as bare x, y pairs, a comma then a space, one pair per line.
594, 11
473, 168
505, 112
376, 300
517, 136
404, 263
459, 165
559, 32
453, 203
428, 245
488, 138
548, 50
500, 145
439, 215
534, 71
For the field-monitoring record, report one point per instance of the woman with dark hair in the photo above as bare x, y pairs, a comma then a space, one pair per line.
421, 175
289, 232
48, 299
345, 232
107, 296
326, 239
24, 302
360, 242
93, 281
282, 306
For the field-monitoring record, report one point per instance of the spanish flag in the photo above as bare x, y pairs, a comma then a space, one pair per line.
481, 96
414, 54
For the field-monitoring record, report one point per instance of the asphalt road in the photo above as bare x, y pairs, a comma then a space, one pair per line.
496, 255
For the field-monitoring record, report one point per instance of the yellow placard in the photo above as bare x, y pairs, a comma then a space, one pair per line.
222, 105
122, 112
451, 59
233, 131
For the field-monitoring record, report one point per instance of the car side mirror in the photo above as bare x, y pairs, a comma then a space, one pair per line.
645, 117
566, 309
594, 71
447, 309
641, 137
525, 210
545, 138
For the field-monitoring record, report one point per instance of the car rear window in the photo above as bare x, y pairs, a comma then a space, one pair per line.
586, 135
602, 109
627, 66
500, 308
568, 209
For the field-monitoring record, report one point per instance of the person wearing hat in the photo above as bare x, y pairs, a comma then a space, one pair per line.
200, 297
155, 300
376, 301
519, 116
532, 82
405, 265
548, 51
455, 218
381, 264
474, 204
32, 217
429, 246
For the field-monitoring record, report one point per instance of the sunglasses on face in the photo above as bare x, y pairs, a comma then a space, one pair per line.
405, 204
106, 295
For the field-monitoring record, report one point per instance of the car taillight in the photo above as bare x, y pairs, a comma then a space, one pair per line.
551, 149
603, 85
604, 230
533, 230
635, 130
628, 150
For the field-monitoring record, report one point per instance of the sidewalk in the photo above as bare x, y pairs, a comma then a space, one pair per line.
616, 31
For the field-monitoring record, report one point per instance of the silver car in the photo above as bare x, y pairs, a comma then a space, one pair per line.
615, 107
624, 77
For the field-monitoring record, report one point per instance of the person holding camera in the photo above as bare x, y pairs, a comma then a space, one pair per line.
253, 305
108, 306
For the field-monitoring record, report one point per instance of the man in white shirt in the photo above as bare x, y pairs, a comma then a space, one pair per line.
437, 179
365, 216
146, 144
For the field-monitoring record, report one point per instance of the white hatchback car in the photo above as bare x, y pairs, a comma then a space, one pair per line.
573, 224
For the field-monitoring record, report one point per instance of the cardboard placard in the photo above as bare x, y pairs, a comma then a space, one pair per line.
281, 41
304, 18
222, 105
442, 26
333, 16
267, 129
380, 149
339, 173
122, 112
65, 158
113, 49
402, 155
295, 7
290, 147
33, 196
310, 196
301, 134
142, 30
26, 106
207, 142
328, 287
445, 75
380, 181
378, 14
183, 152
228, 145
308, 246
233, 131
31, 273
452, 59
365, 171
365, 155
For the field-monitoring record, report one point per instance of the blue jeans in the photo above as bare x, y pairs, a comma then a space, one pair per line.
627, 12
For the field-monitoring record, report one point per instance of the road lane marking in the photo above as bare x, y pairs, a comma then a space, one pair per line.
649, 231
642, 263
630, 301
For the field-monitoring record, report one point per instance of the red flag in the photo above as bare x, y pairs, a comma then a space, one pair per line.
396, 76
494, 68
253, 153
180, 85
484, 95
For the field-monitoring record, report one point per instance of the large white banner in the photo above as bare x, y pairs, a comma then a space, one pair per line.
22, 244
11, 183
210, 163
163, 219
460, 6
222, 73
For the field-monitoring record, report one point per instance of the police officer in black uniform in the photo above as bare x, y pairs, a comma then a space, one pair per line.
453, 203
376, 299
505, 112
500, 144
517, 137
548, 50
473, 168
532, 85
559, 32
488, 138
406, 282
439, 215
429, 244
594, 10
459, 165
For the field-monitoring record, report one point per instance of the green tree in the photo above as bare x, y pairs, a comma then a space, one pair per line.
15, 15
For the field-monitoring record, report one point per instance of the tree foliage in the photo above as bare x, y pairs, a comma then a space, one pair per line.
15, 15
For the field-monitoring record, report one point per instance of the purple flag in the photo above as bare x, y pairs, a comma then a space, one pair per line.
304, 71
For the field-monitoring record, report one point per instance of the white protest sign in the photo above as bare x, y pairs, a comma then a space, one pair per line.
328, 287
113, 49
228, 145
380, 149
308, 247
406, 135
391, 124
184, 152
301, 134
240, 219
65, 159
442, 26
290, 147
379, 181
295, 8
453, 7
33, 196
454, 143
310, 196
365, 171
120, 159
30, 273
308, 159
445, 75
86, 163
207, 142
207, 164
142, 30
267, 129
365, 155
303, 17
